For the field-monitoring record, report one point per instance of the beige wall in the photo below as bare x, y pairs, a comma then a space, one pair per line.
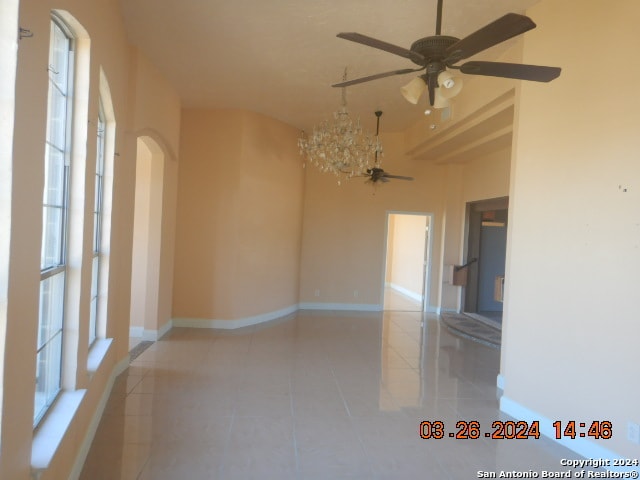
343, 247
570, 337
108, 50
487, 177
239, 216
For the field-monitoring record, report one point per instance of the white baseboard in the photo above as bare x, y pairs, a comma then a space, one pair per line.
154, 335
149, 335
136, 332
266, 317
362, 307
500, 381
581, 446
233, 323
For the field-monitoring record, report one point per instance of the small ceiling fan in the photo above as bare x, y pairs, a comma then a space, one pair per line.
437, 53
376, 173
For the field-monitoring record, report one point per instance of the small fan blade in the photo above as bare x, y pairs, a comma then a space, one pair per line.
399, 177
377, 76
518, 71
379, 44
504, 28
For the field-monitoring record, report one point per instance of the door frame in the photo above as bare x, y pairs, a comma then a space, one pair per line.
472, 226
427, 255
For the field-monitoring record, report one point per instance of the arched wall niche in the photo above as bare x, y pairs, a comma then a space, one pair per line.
147, 238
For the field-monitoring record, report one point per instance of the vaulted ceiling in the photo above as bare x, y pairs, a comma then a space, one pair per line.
280, 57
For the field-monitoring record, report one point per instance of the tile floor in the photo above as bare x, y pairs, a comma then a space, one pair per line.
316, 395
394, 300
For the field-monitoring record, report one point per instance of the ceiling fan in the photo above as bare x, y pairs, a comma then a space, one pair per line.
376, 173
437, 53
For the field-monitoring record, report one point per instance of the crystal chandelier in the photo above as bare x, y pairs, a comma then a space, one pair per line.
341, 147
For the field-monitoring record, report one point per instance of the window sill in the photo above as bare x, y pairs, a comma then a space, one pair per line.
49, 435
97, 354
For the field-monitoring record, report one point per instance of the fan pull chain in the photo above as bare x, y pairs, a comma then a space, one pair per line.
344, 89
378, 115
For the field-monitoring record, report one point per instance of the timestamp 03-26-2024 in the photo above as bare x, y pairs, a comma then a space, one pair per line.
513, 429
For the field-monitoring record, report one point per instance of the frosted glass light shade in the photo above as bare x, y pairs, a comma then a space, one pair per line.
449, 85
413, 90
440, 101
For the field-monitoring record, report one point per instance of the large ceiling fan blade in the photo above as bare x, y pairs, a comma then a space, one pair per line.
399, 177
504, 28
379, 44
377, 76
536, 73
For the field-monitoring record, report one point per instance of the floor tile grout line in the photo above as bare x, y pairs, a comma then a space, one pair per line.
293, 427
227, 444
353, 422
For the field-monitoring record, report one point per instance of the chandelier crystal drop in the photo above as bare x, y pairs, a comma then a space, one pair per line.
340, 147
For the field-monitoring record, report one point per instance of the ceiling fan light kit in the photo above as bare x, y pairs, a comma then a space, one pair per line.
438, 53
449, 87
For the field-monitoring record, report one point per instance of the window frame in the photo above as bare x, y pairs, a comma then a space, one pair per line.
97, 256
45, 397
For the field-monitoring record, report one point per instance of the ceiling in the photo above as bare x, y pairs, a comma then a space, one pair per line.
280, 57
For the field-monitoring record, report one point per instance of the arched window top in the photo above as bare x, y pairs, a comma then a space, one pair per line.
72, 25
105, 97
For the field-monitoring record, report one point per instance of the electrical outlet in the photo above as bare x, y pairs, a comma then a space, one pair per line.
317, 293
633, 432
355, 293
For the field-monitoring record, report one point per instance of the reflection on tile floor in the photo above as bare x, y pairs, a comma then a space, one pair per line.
467, 326
317, 395
396, 301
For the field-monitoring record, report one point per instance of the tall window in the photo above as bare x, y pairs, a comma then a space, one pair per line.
97, 223
54, 222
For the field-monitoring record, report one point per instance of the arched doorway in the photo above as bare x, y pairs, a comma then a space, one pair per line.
147, 235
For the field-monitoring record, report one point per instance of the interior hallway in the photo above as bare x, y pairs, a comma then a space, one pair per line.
316, 395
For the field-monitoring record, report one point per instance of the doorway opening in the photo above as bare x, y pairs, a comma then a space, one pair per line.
406, 281
147, 225
486, 242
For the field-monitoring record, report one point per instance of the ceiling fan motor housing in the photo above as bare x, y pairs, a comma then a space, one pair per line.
433, 48
434, 51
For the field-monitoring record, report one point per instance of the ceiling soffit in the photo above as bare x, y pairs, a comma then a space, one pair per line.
488, 130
